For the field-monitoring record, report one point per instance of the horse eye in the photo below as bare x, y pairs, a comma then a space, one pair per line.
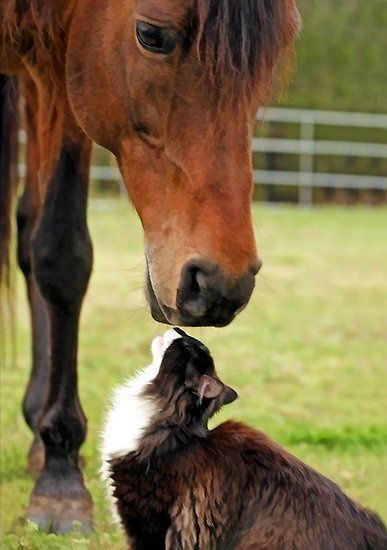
155, 39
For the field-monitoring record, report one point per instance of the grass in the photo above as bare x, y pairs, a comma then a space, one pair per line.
307, 357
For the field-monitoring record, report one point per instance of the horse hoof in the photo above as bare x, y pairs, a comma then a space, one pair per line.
61, 504
61, 515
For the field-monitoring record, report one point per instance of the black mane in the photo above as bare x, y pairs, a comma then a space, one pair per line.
240, 40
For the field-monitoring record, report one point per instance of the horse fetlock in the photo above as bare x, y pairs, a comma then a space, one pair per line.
63, 431
36, 458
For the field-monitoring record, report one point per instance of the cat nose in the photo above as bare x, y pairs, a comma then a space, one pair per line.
207, 297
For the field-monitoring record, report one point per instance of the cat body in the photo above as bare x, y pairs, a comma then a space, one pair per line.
175, 484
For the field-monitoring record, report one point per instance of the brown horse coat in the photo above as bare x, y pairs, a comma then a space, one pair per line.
170, 87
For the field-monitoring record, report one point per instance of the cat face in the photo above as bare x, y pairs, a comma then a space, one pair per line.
187, 383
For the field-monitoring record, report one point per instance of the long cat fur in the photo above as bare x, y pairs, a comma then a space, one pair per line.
176, 484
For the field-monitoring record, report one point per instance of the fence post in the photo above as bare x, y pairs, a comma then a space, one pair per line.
305, 192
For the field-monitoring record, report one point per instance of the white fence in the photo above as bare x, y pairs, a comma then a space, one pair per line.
306, 147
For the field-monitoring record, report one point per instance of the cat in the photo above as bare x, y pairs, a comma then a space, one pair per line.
175, 484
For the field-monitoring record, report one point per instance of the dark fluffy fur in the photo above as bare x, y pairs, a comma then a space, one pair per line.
231, 487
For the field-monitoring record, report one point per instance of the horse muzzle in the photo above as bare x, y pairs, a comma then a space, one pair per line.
205, 297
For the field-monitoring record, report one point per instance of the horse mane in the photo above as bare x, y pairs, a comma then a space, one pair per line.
41, 14
240, 41
35, 28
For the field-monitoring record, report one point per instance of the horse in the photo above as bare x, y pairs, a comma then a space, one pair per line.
171, 88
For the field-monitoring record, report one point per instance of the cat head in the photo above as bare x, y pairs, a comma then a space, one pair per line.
187, 387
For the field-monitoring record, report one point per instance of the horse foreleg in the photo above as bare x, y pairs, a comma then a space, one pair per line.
27, 216
62, 263
36, 393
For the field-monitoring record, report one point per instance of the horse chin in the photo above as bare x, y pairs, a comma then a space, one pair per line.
158, 315
155, 309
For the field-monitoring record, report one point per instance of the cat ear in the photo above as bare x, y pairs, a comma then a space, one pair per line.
209, 387
202, 384
229, 395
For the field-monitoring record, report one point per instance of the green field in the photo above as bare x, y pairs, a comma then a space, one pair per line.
308, 356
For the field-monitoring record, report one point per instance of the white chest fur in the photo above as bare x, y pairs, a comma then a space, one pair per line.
131, 411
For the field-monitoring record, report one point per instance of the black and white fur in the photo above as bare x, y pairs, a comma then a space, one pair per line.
178, 485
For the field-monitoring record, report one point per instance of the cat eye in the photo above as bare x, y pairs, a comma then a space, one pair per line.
155, 39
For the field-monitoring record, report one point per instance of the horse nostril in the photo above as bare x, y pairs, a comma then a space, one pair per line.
196, 280
195, 292
195, 286
206, 297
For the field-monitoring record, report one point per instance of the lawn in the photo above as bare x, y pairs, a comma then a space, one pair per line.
308, 355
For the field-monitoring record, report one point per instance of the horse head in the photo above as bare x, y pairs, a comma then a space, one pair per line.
171, 87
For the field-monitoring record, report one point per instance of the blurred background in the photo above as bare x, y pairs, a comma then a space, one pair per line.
308, 355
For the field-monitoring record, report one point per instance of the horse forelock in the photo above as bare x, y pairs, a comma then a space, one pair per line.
239, 42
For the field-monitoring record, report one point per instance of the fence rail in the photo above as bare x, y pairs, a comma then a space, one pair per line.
302, 146
306, 147
327, 118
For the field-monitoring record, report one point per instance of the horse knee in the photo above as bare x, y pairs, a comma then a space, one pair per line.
62, 264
